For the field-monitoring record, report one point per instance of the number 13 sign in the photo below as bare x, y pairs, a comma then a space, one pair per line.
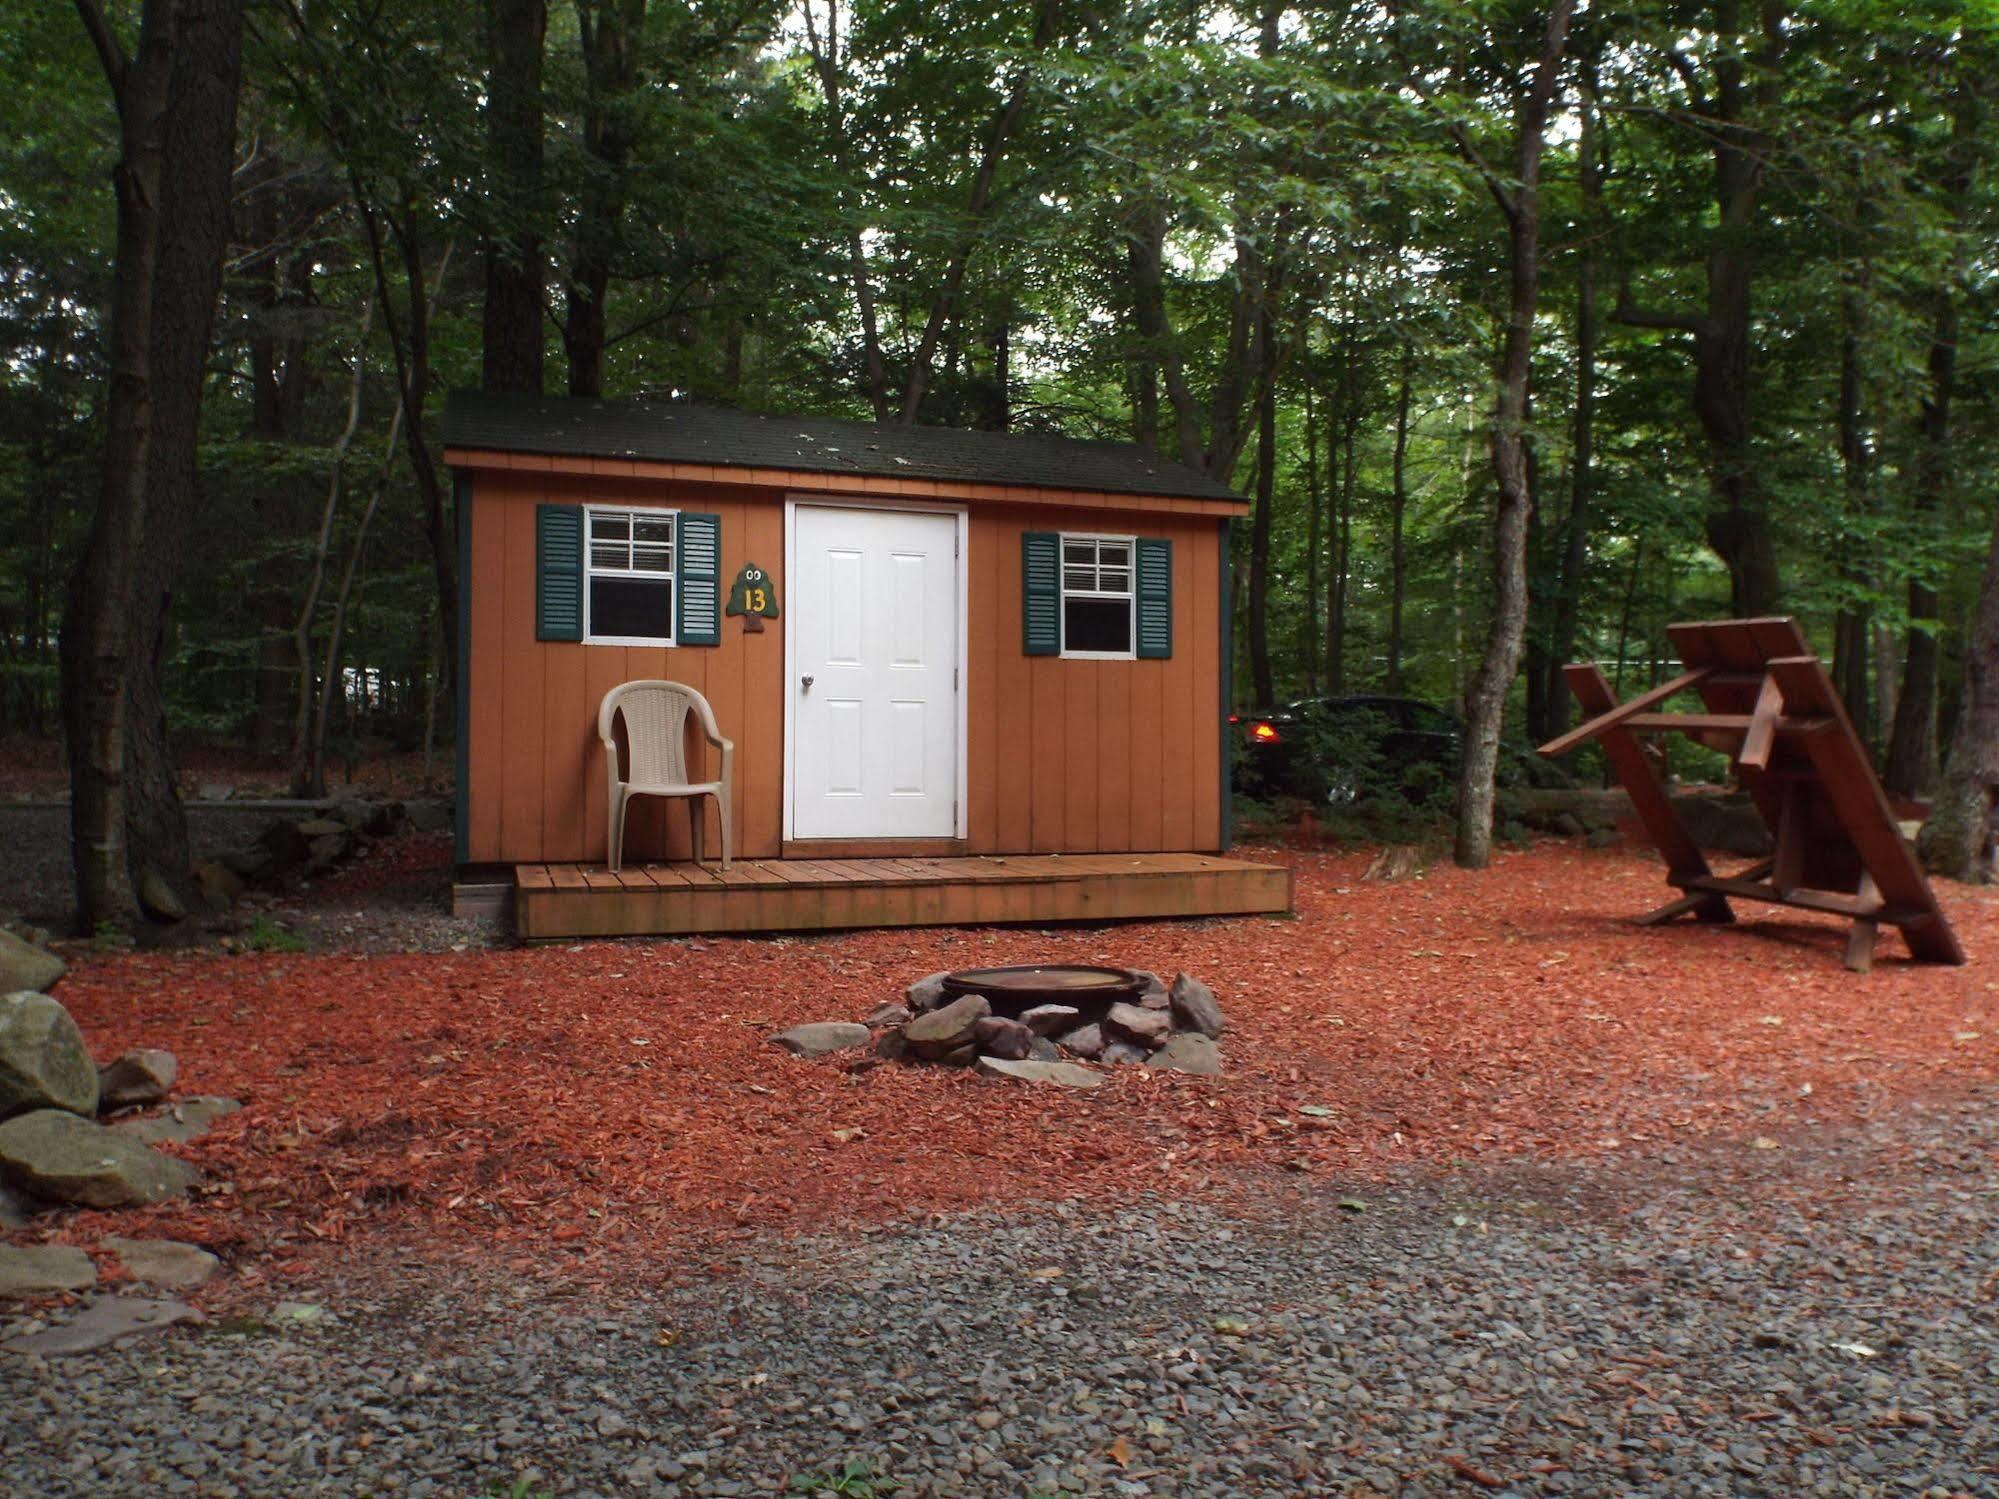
754, 596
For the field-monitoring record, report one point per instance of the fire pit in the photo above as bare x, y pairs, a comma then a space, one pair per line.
1053, 1023
1011, 992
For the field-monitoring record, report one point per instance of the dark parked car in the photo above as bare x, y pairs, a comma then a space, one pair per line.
1347, 749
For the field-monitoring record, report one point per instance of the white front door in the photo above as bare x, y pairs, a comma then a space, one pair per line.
874, 658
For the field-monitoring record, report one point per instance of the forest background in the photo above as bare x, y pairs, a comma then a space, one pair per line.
1528, 327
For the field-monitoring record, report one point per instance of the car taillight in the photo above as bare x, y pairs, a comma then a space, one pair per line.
1265, 733
1235, 718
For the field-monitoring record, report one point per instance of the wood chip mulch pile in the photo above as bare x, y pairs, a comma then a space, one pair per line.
621, 1098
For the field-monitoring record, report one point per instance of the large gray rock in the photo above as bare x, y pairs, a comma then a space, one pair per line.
105, 1320
1059, 1074
1123, 1054
1147, 1028
26, 966
166, 1263
926, 993
999, 1037
947, 1029
1192, 1052
44, 1270
428, 816
886, 1015
43, 1061
140, 1076
823, 1037
1195, 1007
187, 1119
1083, 1041
1048, 1020
62, 1158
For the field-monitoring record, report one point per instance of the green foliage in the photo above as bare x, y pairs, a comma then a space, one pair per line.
854, 1479
267, 935
1314, 171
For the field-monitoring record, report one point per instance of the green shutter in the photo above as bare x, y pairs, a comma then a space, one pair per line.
1040, 593
558, 572
1155, 598
699, 585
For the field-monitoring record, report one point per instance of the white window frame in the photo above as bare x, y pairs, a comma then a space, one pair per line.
592, 571
1064, 592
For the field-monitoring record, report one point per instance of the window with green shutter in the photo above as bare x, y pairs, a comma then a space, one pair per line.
1040, 593
1088, 597
1155, 598
558, 572
627, 575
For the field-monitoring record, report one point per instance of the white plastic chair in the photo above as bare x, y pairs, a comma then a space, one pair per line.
656, 747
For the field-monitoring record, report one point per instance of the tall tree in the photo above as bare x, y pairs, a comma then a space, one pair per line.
175, 96
610, 33
517, 37
1960, 828
1728, 105
1516, 190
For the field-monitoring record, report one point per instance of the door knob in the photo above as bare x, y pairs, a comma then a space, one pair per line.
805, 683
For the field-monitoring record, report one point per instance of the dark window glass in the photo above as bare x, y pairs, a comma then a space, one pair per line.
1096, 625
639, 608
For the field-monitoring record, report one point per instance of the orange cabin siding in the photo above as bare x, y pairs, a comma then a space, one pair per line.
1062, 756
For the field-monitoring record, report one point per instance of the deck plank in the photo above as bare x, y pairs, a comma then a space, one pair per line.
682, 898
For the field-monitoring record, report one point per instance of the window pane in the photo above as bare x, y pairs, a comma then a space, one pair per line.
1113, 554
653, 528
608, 554
1096, 625
636, 607
1111, 581
651, 559
1078, 577
1084, 552
615, 525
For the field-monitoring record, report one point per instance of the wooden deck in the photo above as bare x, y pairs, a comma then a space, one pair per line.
778, 895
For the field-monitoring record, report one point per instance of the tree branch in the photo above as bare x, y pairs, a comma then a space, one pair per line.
110, 53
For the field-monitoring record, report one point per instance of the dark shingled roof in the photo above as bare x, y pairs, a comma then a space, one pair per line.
658, 432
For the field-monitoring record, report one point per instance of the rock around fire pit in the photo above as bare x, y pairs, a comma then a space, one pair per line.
1037, 1023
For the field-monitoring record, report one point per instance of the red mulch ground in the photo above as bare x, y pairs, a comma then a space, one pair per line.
618, 1098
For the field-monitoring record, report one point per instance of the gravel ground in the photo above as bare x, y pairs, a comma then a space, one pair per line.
1806, 1316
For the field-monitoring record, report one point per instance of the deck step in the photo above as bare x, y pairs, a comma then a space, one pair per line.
777, 895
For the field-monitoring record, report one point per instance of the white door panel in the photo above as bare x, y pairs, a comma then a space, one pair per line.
873, 696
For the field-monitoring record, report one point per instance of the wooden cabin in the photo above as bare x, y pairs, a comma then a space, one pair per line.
983, 656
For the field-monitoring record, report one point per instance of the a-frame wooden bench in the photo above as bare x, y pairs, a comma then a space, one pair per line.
1772, 708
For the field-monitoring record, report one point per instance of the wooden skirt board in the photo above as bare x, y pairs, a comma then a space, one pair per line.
1770, 706
775, 895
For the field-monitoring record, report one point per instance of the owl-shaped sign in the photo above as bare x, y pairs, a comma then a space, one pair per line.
754, 596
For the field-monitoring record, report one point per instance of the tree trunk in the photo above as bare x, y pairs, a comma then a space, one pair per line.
1738, 519
1314, 503
1393, 681
999, 134
96, 628
1852, 621
610, 32
1911, 768
512, 335
1259, 537
195, 222
825, 55
1145, 253
307, 780
1955, 838
410, 343
1520, 206
1582, 456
